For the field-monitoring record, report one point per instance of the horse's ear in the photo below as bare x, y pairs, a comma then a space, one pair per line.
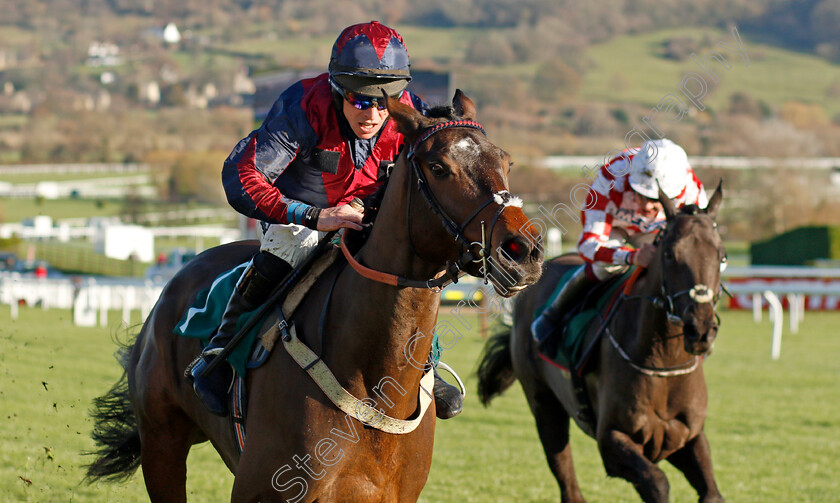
463, 106
714, 203
667, 204
410, 122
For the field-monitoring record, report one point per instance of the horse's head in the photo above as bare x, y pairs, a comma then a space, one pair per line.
461, 211
690, 257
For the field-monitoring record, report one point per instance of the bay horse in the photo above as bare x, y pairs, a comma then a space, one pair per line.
299, 446
644, 382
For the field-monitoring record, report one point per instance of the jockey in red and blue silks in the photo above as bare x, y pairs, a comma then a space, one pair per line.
303, 166
305, 155
324, 142
625, 196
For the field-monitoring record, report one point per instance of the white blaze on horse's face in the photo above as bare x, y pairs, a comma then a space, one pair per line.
468, 145
466, 150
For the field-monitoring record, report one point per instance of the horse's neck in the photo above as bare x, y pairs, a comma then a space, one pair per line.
645, 332
389, 329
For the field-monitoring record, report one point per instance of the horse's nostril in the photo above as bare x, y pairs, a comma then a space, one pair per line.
516, 249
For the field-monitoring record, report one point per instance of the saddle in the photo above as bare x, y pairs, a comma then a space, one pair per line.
575, 344
203, 317
571, 347
253, 349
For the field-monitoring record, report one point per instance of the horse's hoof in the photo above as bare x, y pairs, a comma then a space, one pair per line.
448, 399
211, 389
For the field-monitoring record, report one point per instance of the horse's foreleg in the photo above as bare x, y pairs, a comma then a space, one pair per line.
695, 461
624, 458
553, 427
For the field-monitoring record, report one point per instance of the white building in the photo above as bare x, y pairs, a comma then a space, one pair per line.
126, 241
103, 54
150, 92
171, 35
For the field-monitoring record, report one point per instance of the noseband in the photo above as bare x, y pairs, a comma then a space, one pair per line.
502, 198
699, 293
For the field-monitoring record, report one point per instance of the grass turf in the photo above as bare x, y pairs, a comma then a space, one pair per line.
772, 425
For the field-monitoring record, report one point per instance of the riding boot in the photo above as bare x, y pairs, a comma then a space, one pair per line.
448, 398
253, 289
546, 323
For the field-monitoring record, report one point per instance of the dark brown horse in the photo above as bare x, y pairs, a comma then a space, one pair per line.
299, 446
645, 379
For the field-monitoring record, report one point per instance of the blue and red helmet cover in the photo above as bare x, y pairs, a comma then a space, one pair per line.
369, 51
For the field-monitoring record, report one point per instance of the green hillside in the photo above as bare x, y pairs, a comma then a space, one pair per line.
633, 69
442, 45
628, 68
774, 75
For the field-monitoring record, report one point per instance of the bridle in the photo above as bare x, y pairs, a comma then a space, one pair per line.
470, 251
699, 293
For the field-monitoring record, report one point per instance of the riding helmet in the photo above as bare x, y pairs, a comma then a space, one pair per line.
368, 58
659, 161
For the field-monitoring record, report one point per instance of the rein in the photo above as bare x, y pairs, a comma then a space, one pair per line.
393, 279
678, 370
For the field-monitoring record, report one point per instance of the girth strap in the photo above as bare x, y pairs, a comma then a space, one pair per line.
347, 403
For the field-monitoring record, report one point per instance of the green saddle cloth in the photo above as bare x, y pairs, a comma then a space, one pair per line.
570, 347
203, 318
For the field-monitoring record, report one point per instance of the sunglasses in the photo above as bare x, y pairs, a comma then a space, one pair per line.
362, 101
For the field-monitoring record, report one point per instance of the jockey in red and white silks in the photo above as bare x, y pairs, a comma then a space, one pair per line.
621, 197
622, 201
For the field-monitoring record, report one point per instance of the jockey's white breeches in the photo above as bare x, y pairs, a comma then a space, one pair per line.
290, 242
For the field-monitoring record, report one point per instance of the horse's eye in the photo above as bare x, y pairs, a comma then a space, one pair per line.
438, 170
668, 255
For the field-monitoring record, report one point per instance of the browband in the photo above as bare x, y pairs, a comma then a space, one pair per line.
444, 125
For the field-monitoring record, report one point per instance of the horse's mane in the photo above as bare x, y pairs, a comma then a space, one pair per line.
690, 209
